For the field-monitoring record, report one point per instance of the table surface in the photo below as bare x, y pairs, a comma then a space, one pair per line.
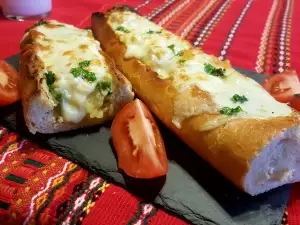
258, 35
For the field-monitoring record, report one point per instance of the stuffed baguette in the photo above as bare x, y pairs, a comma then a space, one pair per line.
227, 118
67, 81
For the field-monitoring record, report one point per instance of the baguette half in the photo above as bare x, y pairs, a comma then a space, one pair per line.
255, 144
54, 99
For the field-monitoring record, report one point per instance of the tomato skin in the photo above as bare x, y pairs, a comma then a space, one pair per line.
283, 86
9, 84
295, 102
137, 156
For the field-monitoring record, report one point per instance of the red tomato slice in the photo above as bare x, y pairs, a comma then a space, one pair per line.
9, 84
283, 86
295, 103
138, 142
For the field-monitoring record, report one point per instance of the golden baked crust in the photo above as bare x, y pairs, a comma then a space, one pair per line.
40, 112
229, 148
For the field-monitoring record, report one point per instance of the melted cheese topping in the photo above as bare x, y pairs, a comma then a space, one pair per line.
176, 59
62, 48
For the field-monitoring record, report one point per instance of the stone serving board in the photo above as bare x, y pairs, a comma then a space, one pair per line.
192, 189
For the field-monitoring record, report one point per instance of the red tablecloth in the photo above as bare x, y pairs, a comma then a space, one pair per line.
258, 35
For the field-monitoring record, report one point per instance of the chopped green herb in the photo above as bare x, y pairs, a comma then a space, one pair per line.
238, 98
58, 96
172, 47
208, 68
85, 63
81, 72
230, 111
89, 76
180, 53
154, 32
85, 74
105, 87
123, 29
77, 72
41, 22
50, 77
182, 61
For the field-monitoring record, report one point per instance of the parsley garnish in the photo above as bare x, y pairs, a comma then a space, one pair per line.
89, 76
237, 98
81, 72
208, 68
182, 61
58, 96
123, 29
50, 77
154, 32
77, 72
41, 22
230, 111
179, 53
172, 47
105, 87
85, 63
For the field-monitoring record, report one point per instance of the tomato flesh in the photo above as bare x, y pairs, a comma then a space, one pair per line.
283, 86
138, 142
9, 84
295, 103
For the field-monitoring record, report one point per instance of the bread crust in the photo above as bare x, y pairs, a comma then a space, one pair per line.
229, 148
39, 109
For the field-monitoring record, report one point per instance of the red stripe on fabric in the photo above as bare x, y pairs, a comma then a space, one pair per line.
7, 192
145, 10
117, 206
288, 37
115, 201
294, 206
193, 34
235, 28
282, 51
42, 156
184, 16
272, 47
162, 13
194, 11
23, 172
175, 14
103, 7
214, 43
295, 38
245, 46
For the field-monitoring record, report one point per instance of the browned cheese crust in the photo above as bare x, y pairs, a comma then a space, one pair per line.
38, 105
228, 148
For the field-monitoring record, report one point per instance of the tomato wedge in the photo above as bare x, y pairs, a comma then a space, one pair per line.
138, 142
9, 84
283, 86
295, 103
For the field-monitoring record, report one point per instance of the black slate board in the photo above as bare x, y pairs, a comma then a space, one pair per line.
192, 189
